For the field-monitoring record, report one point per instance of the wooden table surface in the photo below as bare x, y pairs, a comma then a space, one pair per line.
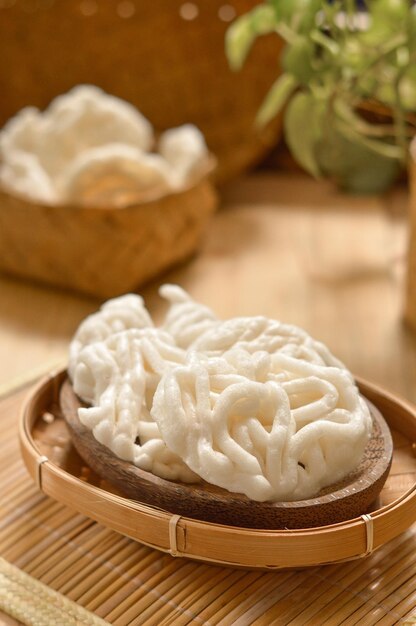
283, 246
286, 247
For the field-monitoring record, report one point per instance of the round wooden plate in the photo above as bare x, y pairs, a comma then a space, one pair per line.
344, 500
60, 473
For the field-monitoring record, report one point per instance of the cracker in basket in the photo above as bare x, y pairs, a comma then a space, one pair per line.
119, 377
184, 148
261, 333
250, 405
92, 149
269, 440
186, 319
115, 175
114, 316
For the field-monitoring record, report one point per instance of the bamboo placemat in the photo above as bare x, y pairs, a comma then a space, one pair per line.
126, 583
33, 603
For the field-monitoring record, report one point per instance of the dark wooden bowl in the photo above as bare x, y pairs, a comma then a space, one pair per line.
344, 500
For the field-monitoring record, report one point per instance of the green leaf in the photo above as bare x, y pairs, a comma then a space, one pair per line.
280, 91
348, 115
297, 59
238, 41
243, 32
382, 148
303, 124
325, 42
300, 15
263, 19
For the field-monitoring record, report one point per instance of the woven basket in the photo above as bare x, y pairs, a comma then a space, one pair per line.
102, 251
172, 68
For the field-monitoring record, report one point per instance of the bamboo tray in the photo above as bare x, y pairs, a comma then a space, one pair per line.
349, 498
58, 472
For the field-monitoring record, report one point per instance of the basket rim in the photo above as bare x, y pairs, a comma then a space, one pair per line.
204, 172
179, 535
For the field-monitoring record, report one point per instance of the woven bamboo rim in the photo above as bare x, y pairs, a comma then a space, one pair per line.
215, 543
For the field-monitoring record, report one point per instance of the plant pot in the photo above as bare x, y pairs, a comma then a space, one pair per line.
354, 168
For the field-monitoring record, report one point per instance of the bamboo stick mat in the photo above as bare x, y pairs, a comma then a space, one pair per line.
125, 583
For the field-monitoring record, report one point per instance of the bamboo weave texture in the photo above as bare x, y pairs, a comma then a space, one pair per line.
125, 583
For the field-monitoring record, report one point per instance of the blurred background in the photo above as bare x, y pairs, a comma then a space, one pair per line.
308, 110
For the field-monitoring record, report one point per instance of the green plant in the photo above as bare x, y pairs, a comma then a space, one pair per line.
340, 59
